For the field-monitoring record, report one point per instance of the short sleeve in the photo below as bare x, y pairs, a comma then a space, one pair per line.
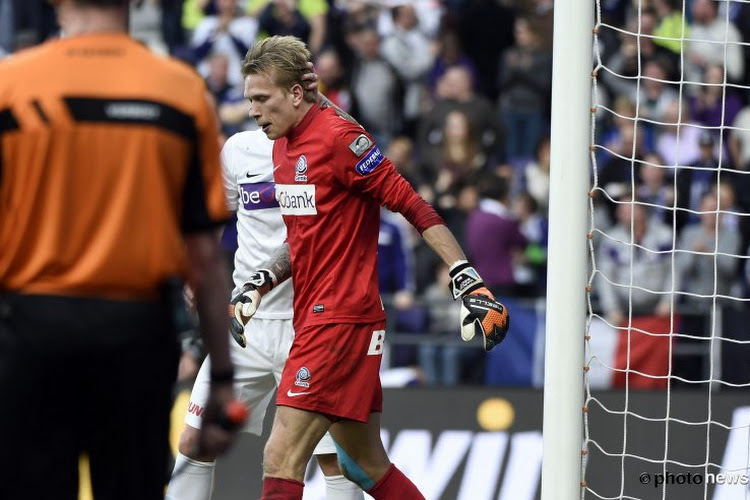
204, 202
227, 171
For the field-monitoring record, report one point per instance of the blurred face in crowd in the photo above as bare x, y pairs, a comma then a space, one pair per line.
455, 84
407, 17
704, 11
369, 44
627, 210
525, 37
328, 68
655, 75
217, 69
456, 127
709, 214
275, 109
226, 7
651, 173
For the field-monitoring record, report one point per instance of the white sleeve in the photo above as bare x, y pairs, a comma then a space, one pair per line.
227, 171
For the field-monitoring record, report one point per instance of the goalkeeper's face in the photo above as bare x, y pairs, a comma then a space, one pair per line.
275, 109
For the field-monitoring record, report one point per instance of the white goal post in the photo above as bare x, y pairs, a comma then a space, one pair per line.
566, 282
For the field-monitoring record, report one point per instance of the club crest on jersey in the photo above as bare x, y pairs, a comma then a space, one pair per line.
361, 144
302, 378
369, 162
300, 170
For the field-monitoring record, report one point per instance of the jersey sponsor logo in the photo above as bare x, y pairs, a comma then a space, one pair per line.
302, 377
370, 162
361, 144
295, 199
258, 196
300, 170
132, 111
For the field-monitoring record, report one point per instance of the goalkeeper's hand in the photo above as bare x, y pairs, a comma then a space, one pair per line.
480, 312
243, 306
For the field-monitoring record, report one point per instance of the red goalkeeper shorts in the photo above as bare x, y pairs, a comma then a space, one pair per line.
335, 370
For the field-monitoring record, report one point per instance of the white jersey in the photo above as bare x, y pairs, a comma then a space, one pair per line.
248, 183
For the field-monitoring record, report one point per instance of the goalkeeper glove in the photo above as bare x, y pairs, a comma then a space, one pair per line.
243, 306
480, 312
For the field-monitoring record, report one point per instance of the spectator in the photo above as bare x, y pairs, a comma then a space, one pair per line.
377, 95
536, 175
637, 265
146, 25
313, 12
706, 44
7, 27
655, 187
485, 30
678, 138
282, 17
525, 82
396, 275
450, 54
408, 50
227, 32
401, 153
230, 103
705, 269
620, 161
655, 97
455, 92
739, 139
171, 25
671, 28
715, 104
531, 266
332, 79
636, 49
697, 180
460, 155
493, 236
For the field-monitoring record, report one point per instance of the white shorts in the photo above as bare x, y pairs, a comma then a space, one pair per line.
258, 370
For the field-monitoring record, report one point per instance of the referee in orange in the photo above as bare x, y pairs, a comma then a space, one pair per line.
110, 192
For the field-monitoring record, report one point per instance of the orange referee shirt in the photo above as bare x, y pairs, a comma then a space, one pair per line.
108, 154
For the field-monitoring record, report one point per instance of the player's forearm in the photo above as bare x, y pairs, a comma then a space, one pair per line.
211, 285
280, 264
444, 244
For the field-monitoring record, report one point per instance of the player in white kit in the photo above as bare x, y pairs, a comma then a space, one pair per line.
248, 182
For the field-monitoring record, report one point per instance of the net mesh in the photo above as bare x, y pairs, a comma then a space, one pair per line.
668, 244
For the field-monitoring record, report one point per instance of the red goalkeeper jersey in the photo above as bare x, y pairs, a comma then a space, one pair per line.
331, 179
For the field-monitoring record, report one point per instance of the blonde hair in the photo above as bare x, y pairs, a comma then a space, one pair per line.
283, 58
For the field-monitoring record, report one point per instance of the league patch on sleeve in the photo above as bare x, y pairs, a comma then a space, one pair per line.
361, 144
370, 162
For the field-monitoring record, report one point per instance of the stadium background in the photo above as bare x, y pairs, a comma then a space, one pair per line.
457, 92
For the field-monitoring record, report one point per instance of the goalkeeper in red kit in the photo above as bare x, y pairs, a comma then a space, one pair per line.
331, 180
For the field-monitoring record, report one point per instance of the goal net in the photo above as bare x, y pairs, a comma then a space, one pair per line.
667, 339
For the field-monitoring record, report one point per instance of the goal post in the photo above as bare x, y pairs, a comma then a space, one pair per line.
647, 343
567, 264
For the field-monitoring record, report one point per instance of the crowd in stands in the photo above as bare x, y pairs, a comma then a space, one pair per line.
458, 94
